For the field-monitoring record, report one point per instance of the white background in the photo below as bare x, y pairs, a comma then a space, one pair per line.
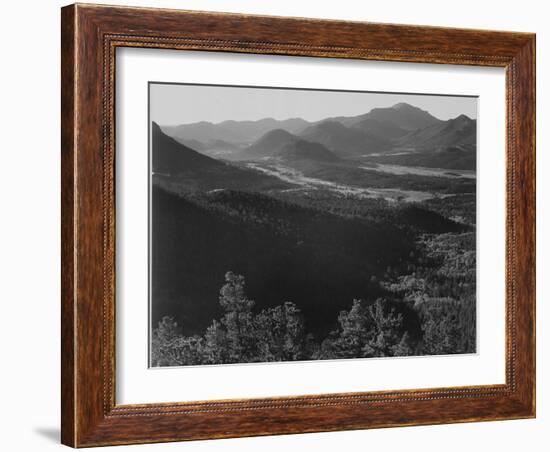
137, 384
29, 238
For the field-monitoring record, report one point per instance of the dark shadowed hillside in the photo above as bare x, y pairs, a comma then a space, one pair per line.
171, 157
196, 145
284, 250
181, 167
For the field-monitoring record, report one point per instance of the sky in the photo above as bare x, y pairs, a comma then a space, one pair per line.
172, 104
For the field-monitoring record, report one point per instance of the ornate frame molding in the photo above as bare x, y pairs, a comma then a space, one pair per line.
90, 37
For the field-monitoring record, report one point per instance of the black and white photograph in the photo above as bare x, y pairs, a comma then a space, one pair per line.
292, 224
284, 226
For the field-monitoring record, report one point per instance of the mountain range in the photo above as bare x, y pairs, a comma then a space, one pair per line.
233, 131
379, 131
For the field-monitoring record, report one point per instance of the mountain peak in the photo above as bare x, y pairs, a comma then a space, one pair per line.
404, 106
276, 134
463, 118
461, 122
403, 115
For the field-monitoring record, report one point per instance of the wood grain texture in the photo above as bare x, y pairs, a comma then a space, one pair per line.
90, 36
67, 225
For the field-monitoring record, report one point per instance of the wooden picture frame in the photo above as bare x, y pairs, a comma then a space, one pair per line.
90, 36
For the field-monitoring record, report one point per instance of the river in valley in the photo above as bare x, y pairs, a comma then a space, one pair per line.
296, 177
400, 170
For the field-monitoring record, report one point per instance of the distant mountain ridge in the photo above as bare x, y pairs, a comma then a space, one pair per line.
378, 131
398, 119
233, 131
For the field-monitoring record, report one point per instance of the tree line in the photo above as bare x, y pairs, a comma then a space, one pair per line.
385, 327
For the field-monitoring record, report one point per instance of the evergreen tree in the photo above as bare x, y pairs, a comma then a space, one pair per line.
355, 329
369, 331
214, 346
238, 320
387, 327
280, 333
163, 343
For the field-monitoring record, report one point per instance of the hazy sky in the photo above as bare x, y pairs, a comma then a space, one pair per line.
172, 104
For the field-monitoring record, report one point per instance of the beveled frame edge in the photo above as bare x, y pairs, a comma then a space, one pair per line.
90, 35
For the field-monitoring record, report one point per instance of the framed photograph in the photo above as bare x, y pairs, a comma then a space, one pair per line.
282, 225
